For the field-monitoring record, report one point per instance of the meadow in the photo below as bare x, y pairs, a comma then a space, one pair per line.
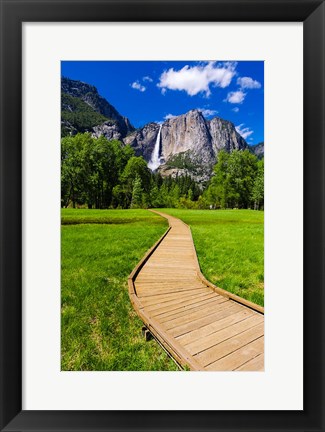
230, 248
99, 328
99, 248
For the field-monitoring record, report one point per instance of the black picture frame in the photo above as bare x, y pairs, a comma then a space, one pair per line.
13, 14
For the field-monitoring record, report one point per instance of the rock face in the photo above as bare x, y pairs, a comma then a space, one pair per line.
224, 136
188, 133
112, 125
143, 140
258, 150
189, 143
109, 129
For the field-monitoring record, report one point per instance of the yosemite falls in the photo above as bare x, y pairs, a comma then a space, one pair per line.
154, 162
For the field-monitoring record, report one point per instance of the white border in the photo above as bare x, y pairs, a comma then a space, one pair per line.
44, 386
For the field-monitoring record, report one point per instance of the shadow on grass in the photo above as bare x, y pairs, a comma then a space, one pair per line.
106, 221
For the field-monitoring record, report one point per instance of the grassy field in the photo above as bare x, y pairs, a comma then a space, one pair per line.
230, 248
99, 328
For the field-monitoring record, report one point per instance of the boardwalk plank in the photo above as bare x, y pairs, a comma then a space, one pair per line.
184, 309
224, 334
157, 299
200, 312
179, 303
163, 292
255, 364
224, 311
242, 357
214, 326
167, 290
228, 346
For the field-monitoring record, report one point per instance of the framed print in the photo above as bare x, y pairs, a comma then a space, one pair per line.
192, 88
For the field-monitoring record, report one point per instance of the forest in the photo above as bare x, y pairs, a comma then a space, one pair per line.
102, 174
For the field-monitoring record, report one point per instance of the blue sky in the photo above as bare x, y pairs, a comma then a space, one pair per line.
151, 91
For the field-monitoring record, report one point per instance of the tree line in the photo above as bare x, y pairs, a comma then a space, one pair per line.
238, 181
98, 173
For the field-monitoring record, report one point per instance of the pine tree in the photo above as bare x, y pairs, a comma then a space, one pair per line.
258, 187
137, 193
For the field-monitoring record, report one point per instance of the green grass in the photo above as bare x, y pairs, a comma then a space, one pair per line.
230, 248
99, 328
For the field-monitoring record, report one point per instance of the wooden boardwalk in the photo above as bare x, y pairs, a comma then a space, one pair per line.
200, 325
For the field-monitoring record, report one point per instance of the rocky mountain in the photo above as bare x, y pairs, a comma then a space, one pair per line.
258, 150
189, 143
84, 110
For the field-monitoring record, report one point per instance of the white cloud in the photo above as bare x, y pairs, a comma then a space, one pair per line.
147, 78
169, 116
197, 79
137, 86
248, 83
207, 112
245, 132
236, 109
236, 97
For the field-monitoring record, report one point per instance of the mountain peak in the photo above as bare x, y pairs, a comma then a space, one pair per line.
83, 109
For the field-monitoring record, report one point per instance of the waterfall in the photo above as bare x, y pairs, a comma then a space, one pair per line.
155, 159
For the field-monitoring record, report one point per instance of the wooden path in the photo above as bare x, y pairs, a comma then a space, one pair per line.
200, 325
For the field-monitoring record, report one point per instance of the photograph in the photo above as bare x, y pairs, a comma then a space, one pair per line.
162, 215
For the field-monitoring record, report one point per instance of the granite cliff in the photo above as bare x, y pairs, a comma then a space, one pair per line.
189, 143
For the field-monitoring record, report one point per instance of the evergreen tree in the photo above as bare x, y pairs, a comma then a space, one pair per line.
155, 198
258, 187
137, 193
